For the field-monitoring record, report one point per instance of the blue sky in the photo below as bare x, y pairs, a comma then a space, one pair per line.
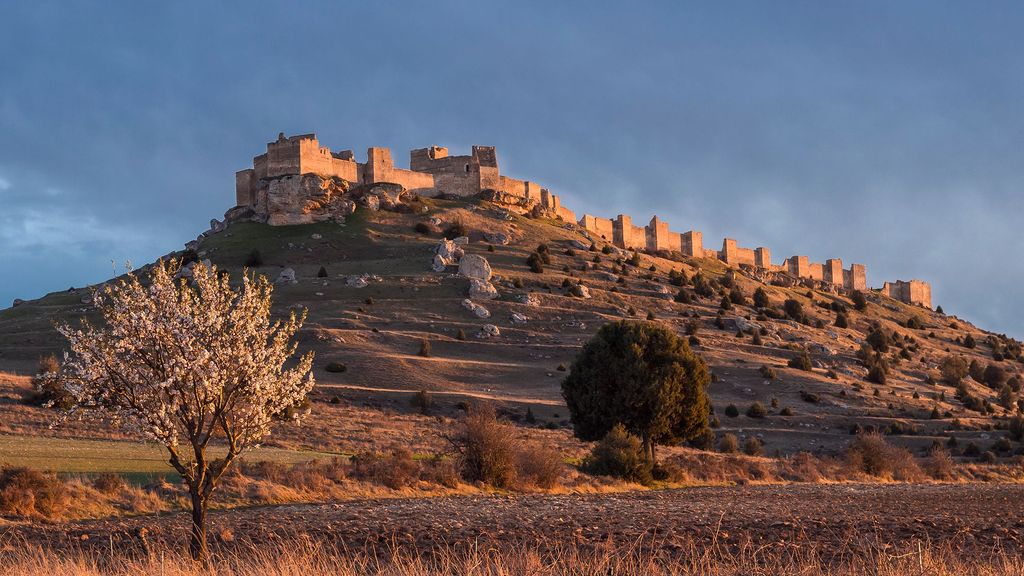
884, 133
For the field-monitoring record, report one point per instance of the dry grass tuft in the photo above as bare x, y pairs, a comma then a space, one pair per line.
642, 558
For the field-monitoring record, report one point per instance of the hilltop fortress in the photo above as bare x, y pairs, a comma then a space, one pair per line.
298, 181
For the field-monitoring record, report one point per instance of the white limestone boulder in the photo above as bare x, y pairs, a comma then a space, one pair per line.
287, 276
478, 310
482, 290
474, 266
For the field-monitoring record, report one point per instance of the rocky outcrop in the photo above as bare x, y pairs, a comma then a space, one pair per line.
309, 198
517, 203
304, 199
446, 253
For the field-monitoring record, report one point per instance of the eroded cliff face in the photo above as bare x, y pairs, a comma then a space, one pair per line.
302, 199
309, 198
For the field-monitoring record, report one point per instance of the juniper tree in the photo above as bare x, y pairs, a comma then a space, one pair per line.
640, 375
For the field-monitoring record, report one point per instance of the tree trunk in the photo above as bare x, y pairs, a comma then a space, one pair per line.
197, 542
648, 448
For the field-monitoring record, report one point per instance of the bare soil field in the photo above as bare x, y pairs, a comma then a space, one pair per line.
839, 518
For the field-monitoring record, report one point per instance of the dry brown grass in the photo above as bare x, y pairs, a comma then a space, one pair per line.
642, 558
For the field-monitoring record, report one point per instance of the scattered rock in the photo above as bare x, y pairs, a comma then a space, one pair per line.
476, 309
287, 276
580, 291
446, 253
518, 318
482, 290
438, 264
355, 281
316, 236
461, 240
496, 238
474, 266
528, 299
580, 245
488, 331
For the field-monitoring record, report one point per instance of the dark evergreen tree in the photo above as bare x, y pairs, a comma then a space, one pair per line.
640, 375
761, 298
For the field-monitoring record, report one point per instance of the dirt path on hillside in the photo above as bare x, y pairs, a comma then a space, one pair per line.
836, 518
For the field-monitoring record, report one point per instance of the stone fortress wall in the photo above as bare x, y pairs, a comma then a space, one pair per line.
430, 169
657, 236
433, 169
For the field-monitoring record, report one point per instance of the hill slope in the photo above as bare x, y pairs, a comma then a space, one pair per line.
376, 332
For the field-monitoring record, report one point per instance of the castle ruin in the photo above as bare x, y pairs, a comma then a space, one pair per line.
433, 171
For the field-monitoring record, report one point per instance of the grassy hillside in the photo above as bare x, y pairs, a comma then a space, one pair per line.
376, 332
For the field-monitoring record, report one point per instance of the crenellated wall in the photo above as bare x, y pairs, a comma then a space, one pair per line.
434, 169
912, 292
429, 169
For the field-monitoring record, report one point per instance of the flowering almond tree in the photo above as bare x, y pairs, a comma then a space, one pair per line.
188, 364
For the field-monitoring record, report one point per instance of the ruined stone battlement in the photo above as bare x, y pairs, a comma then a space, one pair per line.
430, 170
271, 182
912, 292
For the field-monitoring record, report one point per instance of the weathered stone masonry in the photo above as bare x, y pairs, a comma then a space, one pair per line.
433, 169
430, 169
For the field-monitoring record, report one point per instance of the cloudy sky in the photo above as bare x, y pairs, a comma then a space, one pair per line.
884, 133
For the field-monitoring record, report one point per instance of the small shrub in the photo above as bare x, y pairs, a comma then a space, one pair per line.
335, 367
793, 309
254, 259
753, 447
47, 389
761, 299
109, 483
860, 301
786, 411
1016, 428
683, 297
873, 455
842, 321
729, 444
757, 410
767, 372
801, 362
422, 228
619, 454
424, 348
422, 402
540, 466
460, 335
27, 493
809, 397
321, 273
487, 449
456, 230
732, 411
535, 262
939, 464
